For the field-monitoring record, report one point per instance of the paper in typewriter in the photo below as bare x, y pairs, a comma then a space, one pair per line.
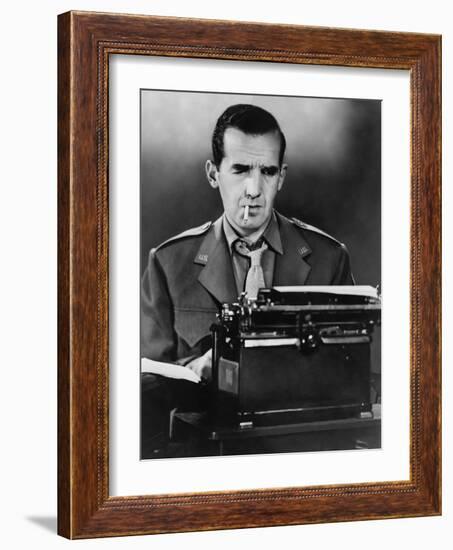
349, 290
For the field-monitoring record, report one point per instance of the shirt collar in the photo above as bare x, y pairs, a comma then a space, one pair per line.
271, 234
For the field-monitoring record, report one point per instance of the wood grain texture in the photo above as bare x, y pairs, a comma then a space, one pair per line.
64, 425
85, 42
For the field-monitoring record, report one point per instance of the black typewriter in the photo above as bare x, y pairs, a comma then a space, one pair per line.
295, 354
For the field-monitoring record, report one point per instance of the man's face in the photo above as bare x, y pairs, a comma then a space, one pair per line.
249, 175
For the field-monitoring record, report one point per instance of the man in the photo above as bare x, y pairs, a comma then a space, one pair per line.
190, 275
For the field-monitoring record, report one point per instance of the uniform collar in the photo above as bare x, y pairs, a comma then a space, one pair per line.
271, 234
217, 274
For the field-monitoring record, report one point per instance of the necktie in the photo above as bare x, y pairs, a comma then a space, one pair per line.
255, 276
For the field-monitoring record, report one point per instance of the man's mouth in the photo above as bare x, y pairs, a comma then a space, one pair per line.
250, 210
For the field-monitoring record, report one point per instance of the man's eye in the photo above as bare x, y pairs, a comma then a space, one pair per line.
269, 171
240, 170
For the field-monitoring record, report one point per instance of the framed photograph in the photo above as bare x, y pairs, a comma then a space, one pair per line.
249, 275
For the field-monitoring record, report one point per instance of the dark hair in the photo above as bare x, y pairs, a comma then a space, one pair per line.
251, 120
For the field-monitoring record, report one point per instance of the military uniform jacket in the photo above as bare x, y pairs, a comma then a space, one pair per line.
190, 275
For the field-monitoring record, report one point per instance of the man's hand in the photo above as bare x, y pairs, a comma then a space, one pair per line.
202, 366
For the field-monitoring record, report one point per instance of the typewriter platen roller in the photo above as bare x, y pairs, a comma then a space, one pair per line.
294, 354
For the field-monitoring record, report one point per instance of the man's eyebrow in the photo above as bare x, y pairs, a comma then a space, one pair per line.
239, 166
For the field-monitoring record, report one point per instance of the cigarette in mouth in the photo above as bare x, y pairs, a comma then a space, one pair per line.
246, 213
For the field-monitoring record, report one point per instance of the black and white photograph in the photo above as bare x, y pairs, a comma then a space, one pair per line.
260, 274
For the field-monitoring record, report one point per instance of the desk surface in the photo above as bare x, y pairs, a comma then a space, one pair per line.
340, 434
202, 422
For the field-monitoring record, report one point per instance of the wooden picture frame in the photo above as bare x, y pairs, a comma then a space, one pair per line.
85, 41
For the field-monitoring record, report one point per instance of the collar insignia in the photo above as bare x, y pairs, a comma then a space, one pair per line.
202, 258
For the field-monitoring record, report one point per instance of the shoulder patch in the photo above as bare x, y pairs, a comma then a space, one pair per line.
309, 227
193, 232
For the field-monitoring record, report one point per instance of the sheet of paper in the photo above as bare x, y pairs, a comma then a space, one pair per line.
351, 290
169, 370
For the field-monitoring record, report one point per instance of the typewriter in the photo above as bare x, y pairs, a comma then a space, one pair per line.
295, 354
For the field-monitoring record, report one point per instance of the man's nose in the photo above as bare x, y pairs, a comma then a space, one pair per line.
253, 184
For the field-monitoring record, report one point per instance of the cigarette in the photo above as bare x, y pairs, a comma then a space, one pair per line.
246, 213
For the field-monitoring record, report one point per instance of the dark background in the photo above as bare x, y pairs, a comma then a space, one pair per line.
333, 156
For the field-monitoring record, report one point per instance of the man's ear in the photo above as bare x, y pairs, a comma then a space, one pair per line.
282, 176
212, 174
